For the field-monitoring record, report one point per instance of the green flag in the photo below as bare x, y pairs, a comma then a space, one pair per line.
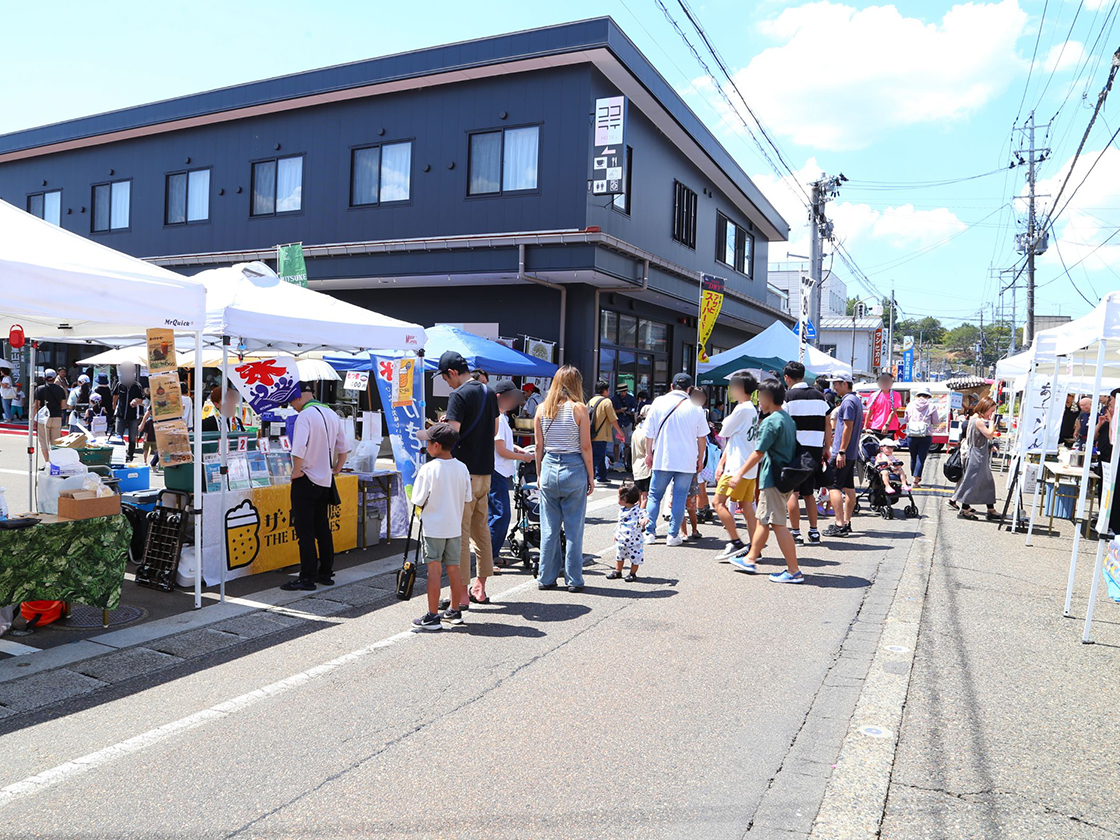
290, 265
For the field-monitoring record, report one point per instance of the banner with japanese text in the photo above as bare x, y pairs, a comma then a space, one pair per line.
266, 382
290, 265
711, 302
404, 421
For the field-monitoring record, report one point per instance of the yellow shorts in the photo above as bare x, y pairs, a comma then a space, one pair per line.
742, 492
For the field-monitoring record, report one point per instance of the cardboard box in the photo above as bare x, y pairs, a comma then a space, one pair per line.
74, 440
85, 504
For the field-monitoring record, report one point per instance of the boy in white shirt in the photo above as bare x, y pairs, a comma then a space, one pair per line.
441, 490
740, 429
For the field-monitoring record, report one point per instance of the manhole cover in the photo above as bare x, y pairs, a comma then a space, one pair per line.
83, 617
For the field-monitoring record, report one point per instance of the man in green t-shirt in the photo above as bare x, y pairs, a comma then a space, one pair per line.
777, 443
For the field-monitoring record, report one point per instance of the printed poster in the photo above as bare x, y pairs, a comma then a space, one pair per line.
356, 380
161, 351
167, 396
711, 302
403, 370
266, 382
173, 442
539, 349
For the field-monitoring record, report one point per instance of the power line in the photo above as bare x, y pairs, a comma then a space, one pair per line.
921, 185
1061, 52
1034, 55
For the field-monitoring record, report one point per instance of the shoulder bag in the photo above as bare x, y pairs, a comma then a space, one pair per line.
594, 407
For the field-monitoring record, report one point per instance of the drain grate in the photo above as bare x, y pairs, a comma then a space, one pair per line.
83, 617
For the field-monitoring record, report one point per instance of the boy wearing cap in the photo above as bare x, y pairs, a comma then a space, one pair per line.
472, 411
441, 491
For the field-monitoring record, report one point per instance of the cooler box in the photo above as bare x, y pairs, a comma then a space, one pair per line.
131, 478
1061, 504
142, 499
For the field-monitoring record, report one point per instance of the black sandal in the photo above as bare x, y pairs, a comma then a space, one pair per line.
967, 514
992, 516
614, 575
954, 505
630, 578
475, 600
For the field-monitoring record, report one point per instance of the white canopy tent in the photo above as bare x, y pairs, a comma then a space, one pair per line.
776, 344
59, 286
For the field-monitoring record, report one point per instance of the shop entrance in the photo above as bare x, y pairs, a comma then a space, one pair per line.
634, 351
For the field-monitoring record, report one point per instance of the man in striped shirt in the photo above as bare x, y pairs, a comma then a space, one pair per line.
808, 407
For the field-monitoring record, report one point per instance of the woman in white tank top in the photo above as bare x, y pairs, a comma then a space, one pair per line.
563, 448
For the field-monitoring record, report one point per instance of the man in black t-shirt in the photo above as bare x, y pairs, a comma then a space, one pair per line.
52, 395
128, 399
472, 410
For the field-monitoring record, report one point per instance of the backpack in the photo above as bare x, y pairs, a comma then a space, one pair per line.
797, 471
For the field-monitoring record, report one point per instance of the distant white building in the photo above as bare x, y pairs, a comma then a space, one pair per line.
787, 278
851, 340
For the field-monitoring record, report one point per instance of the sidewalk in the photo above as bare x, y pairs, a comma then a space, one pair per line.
1009, 729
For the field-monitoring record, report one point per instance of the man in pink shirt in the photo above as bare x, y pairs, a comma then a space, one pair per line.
882, 409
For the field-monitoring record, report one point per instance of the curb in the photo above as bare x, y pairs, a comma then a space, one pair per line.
856, 794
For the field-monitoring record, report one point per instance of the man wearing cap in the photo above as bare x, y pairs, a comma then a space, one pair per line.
843, 456
882, 409
472, 411
128, 398
506, 458
626, 407
52, 396
677, 431
319, 448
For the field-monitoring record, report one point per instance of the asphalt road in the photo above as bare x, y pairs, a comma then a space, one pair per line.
660, 709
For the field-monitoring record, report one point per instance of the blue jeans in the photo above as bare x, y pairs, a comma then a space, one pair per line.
919, 449
599, 459
563, 488
8, 409
499, 511
659, 483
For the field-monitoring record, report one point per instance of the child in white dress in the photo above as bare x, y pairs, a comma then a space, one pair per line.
628, 537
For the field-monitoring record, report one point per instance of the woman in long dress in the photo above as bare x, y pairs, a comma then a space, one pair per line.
978, 486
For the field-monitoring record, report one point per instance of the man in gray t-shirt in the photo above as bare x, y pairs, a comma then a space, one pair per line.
843, 456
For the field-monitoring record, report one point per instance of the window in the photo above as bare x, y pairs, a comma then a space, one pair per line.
111, 206
684, 215
277, 186
622, 201
188, 197
733, 245
503, 161
380, 174
46, 205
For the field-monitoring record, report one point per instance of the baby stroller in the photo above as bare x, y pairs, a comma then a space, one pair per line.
878, 499
525, 534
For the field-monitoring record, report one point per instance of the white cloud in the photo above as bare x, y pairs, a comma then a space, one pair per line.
1092, 215
1063, 57
843, 77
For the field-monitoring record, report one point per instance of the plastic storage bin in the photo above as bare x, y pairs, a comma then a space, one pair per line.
181, 476
132, 478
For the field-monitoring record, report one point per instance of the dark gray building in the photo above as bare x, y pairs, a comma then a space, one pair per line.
448, 184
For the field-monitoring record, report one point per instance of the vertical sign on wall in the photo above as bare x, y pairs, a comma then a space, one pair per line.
877, 348
290, 265
908, 358
711, 302
608, 155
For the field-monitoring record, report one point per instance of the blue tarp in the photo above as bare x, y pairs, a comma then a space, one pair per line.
494, 358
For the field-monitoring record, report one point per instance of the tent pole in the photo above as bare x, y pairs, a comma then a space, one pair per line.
1084, 489
199, 487
223, 425
29, 406
1104, 532
1021, 439
1057, 398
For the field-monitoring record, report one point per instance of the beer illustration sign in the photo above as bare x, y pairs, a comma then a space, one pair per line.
253, 531
243, 542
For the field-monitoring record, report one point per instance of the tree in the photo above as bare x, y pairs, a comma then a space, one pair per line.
853, 302
962, 339
929, 329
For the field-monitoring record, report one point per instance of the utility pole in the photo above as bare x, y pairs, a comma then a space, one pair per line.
890, 335
1035, 240
824, 189
980, 346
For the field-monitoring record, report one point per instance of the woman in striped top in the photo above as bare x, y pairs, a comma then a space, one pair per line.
563, 448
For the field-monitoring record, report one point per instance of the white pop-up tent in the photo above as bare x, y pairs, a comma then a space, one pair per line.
59, 286
769, 350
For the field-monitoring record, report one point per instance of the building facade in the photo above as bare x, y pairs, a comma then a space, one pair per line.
446, 185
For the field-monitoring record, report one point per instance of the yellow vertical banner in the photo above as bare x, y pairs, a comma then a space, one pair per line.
711, 302
403, 370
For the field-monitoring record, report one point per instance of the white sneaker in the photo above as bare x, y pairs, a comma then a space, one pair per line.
671, 540
650, 539
732, 550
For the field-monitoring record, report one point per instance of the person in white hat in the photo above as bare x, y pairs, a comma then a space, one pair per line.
921, 418
49, 397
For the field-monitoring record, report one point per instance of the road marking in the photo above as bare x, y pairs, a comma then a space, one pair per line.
15, 648
67, 770
14, 472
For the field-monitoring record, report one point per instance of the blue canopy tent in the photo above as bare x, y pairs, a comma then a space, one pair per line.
494, 358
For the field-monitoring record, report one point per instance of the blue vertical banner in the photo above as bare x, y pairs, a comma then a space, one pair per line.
908, 365
404, 421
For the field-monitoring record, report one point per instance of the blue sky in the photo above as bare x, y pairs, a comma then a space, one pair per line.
887, 94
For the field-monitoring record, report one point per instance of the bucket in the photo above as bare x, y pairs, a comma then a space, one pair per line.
41, 613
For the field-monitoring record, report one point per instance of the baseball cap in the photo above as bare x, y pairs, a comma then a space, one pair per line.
442, 433
682, 381
83, 379
50, 373
452, 360
507, 386
304, 387
841, 377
